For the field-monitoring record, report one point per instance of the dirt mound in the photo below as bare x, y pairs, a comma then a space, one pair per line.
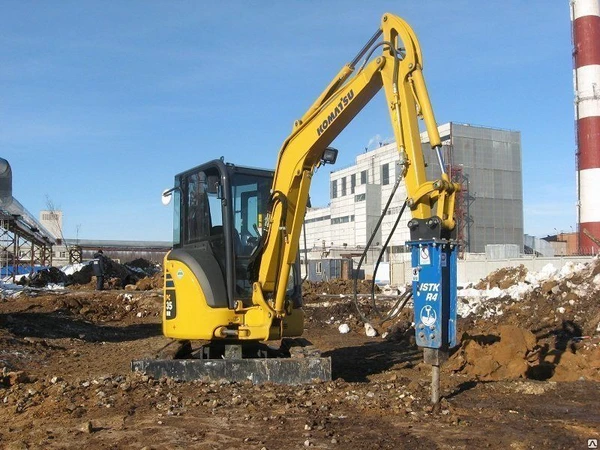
313, 290
550, 318
491, 357
516, 353
542, 302
148, 283
117, 275
503, 278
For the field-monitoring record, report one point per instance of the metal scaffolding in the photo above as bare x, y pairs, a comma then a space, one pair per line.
21, 246
24, 242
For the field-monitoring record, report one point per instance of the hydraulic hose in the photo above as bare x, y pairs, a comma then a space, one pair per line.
305, 253
364, 254
382, 252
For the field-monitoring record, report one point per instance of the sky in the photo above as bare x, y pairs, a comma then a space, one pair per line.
103, 103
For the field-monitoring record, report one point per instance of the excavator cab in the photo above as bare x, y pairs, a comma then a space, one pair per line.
219, 215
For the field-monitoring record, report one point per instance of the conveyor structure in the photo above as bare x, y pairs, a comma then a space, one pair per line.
23, 240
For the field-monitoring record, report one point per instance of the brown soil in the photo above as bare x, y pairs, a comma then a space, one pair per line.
503, 278
514, 382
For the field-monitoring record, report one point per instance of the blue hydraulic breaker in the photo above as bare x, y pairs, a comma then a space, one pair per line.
434, 290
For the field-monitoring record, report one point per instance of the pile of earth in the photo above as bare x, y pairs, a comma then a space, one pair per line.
514, 324
145, 267
513, 353
565, 299
149, 283
315, 290
503, 278
537, 325
139, 272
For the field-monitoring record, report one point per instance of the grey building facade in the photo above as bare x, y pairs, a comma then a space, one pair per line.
487, 162
489, 210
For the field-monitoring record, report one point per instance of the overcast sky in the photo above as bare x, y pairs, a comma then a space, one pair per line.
102, 103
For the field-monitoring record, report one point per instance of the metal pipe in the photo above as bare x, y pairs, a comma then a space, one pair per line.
438, 151
366, 48
435, 384
5, 183
226, 332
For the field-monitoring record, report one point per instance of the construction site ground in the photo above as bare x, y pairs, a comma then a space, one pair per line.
518, 380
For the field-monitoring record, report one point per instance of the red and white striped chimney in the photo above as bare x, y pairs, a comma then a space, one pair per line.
585, 19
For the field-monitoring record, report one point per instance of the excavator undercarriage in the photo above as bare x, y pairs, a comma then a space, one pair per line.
296, 361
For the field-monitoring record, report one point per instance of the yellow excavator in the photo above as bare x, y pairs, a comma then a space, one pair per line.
233, 278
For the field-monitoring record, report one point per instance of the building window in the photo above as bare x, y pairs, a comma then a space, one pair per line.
360, 197
364, 179
317, 219
352, 183
62, 254
334, 189
343, 219
343, 186
385, 174
319, 267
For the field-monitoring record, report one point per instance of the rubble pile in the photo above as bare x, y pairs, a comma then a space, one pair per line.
140, 273
538, 325
548, 296
45, 277
148, 283
314, 290
515, 352
503, 278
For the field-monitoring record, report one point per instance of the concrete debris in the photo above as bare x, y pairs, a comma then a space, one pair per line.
344, 328
370, 331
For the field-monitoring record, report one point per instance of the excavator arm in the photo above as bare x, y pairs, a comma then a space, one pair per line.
398, 69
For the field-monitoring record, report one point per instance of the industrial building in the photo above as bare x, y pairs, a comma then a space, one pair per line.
486, 161
67, 251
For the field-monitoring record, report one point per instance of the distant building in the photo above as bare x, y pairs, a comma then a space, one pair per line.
53, 222
78, 250
563, 244
486, 161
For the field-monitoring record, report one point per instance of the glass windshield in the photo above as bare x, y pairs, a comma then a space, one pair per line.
250, 200
203, 215
250, 195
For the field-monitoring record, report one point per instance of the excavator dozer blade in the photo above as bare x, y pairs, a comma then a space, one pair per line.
259, 370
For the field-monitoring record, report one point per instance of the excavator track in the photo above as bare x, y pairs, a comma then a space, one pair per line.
295, 362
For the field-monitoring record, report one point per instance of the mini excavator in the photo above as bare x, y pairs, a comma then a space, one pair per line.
233, 278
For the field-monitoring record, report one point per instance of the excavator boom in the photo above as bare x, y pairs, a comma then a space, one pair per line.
399, 71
